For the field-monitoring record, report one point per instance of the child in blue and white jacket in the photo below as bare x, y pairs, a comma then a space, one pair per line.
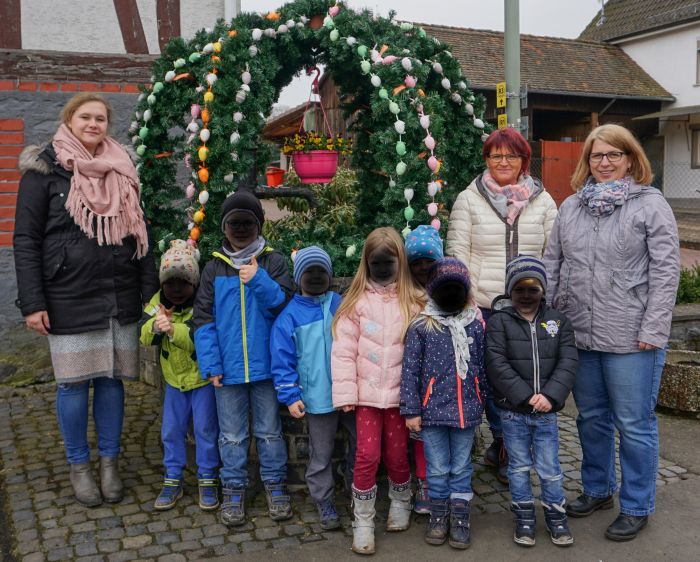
443, 365
300, 344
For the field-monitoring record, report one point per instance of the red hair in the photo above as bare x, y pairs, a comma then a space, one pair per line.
511, 140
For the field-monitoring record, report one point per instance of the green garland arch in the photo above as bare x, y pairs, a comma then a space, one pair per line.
405, 90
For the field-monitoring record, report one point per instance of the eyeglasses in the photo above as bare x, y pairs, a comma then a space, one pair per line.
614, 156
241, 225
510, 158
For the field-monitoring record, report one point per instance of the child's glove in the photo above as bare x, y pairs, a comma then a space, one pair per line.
296, 409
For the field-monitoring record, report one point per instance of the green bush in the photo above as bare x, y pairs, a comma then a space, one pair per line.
689, 286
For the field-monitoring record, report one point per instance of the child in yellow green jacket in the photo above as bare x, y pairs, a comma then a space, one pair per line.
167, 323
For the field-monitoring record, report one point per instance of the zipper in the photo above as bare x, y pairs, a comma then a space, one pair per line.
459, 401
243, 331
476, 387
535, 358
428, 392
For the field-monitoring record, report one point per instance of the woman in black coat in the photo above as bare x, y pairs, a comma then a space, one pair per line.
84, 270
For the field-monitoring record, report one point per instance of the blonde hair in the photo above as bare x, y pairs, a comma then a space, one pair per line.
411, 297
81, 99
619, 137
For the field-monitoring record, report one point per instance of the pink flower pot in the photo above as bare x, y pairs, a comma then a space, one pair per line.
317, 166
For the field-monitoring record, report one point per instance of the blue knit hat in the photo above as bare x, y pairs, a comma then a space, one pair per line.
423, 242
525, 267
307, 257
447, 270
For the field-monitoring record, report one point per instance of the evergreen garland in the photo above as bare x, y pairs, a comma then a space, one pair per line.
272, 48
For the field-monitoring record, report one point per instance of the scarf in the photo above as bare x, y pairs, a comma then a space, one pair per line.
103, 199
602, 198
456, 323
510, 200
243, 257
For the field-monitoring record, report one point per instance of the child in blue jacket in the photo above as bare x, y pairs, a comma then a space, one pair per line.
300, 345
443, 365
242, 291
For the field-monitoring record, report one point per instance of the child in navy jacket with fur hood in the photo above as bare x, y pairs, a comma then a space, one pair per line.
440, 396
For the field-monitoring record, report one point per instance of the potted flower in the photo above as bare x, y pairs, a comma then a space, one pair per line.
315, 155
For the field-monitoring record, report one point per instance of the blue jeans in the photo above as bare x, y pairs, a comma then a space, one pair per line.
198, 405
492, 411
533, 440
618, 391
448, 456
233, 404
107, 410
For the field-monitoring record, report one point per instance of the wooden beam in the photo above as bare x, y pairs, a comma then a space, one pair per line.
131, 26
11, 24
168, 16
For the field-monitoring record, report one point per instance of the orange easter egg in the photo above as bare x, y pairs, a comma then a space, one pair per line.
232, 33
203, 174
205, 115
195, 233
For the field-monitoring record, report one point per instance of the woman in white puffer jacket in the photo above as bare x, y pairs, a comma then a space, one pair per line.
502, 214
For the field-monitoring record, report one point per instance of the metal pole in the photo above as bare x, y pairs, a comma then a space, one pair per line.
512, 60
232, 8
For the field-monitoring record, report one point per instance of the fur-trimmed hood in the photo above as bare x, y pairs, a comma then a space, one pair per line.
31, 160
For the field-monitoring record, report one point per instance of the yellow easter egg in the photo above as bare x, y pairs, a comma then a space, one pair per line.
208, 97
198, 217
203, 152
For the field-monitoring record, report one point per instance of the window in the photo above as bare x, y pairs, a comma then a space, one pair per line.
695, 151
697, 62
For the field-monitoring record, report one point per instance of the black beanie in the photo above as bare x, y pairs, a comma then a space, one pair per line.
242, 200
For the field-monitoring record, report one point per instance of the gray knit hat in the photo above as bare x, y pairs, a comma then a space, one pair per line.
307, 257
525, 267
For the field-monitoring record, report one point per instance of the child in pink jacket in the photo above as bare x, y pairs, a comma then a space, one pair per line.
368, 332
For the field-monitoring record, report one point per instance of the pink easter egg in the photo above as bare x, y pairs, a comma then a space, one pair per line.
194, 111
435, 223
189, 191
429, 142
191, 243
432, 163
389, 59
333, 11
188, 160
410, 81
432, 209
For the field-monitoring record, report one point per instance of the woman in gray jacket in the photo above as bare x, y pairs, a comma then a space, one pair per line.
613, 266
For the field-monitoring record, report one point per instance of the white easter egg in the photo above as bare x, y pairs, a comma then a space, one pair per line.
425, 121
204, 135
376, 81
408, 194
446, 83
406, 63
203, 197
478, 123
257, 34
246, 77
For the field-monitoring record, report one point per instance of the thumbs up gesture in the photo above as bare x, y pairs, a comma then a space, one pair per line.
247, 272
163, 322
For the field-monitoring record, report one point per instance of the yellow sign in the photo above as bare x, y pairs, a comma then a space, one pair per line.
500, 94
502, 121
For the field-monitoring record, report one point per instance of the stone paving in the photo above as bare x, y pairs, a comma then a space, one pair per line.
43, 522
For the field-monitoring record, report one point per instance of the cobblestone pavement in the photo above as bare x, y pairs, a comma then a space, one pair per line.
43, 522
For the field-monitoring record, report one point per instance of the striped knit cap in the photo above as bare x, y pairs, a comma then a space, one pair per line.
446, 270
525, 267
307, 257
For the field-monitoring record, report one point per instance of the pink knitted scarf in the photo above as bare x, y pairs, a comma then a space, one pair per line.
515, 197
104, 192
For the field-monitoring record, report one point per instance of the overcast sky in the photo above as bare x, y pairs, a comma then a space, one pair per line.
556, 18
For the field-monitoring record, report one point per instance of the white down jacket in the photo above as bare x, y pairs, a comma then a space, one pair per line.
480, 237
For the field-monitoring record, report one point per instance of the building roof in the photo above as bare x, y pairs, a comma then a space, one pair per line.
625, 18
550, 65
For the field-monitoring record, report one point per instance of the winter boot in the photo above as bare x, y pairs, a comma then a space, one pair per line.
439, 523
524, 516
460, 529
330, 519
558, 524
278, 501
208, 493
110, 483
84, 485
399, 518
171, 492
491, 454
363, 525
422, 505
232, 511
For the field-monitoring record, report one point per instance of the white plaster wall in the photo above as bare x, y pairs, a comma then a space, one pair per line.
680, 180
671, 59
91, 26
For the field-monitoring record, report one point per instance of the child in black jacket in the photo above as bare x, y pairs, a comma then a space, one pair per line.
531, 362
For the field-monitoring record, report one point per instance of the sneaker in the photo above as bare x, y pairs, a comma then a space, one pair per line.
330, 519
278, 501
171, 492
557, 524
232, 512
208, 493
422, 505
524, 515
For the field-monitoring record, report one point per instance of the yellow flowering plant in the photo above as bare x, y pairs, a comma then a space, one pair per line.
312, 140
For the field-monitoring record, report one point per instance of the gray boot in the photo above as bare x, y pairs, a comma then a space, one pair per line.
363, 525
110, 483
84, 486
400, 508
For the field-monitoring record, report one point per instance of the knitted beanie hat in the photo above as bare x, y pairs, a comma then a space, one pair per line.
307, 257
242, 200
525, 267
447, 270
179, 262
423, 242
